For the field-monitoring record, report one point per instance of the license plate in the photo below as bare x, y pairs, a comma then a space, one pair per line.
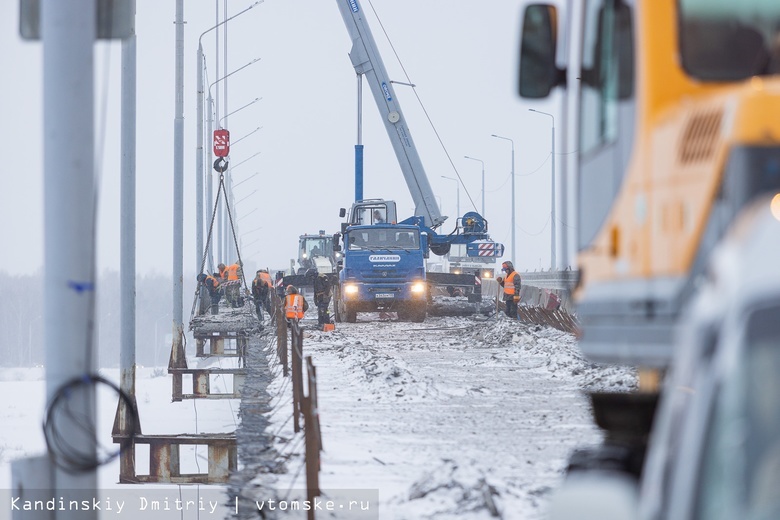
385, 295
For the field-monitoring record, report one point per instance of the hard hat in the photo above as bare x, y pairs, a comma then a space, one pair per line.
201, 277
291, 290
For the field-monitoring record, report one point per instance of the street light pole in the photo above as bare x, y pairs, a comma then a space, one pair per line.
514, 258
219, 123
234, 143
457, 183
553, 260
483, 181
203, 171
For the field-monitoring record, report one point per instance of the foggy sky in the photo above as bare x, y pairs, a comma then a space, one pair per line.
460, 55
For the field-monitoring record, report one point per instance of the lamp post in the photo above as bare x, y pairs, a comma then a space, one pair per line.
219, 123
247, 214
514, 258
201, 169
457, 183
483, 180
553, 260
226, 76
234, 143
244, 198
242, 182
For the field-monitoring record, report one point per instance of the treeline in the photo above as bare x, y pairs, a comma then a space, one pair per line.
21, 319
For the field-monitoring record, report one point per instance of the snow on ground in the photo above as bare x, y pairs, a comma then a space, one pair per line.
452, 418
22, 402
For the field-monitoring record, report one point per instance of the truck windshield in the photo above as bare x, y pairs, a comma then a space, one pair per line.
319, 246
383, 238
726, 40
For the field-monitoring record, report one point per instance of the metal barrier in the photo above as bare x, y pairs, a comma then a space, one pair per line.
303, 405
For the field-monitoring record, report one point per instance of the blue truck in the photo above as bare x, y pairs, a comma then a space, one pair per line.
383, 269
383, 263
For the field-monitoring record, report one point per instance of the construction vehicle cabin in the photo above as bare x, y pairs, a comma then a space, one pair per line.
677, 107
678, 113
316, 252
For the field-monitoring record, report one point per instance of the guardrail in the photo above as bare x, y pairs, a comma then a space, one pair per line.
304, 404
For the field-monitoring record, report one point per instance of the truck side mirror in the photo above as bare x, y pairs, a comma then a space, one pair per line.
344, 227
342, 212
538, 71
336, 245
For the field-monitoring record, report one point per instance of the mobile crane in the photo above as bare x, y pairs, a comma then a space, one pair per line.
677, 110
364, 283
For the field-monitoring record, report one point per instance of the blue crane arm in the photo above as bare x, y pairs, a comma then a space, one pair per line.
367, 61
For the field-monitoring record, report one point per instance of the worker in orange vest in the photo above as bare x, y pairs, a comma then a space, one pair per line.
212, 286
222, 272
511, 285
233, 285
261, 292
295, 305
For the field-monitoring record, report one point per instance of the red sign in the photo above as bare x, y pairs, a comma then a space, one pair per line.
221, 142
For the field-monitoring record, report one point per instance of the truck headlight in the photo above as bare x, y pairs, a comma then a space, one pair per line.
487, 274
350, 289
418, 288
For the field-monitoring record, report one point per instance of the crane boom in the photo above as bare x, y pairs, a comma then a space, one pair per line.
367, 61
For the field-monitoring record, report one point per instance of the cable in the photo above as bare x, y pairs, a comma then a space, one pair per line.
425, 111
60, 420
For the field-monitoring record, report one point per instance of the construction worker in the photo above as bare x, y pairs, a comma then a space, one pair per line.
233, 284
222, 272
212, 286
295, 304
261, 292
511, 285
322, 298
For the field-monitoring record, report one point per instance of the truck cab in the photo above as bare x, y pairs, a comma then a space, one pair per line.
316, 252
383, 269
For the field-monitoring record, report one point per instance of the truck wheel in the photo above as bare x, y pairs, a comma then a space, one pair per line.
337, 305
418, 314
350, 314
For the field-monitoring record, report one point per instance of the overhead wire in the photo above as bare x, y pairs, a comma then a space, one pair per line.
424, 109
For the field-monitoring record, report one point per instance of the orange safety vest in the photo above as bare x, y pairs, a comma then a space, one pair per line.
213, 282
293, 306
266, 278
509, 283
232, 272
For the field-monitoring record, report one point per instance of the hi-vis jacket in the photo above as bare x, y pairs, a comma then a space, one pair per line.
294, 306
232, 272
266, 278
509, 284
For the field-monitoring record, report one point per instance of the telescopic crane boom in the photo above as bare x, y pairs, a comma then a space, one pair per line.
367, 61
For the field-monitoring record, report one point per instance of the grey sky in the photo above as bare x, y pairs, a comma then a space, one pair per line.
459, 54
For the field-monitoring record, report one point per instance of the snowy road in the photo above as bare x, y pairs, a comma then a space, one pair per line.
449, 418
